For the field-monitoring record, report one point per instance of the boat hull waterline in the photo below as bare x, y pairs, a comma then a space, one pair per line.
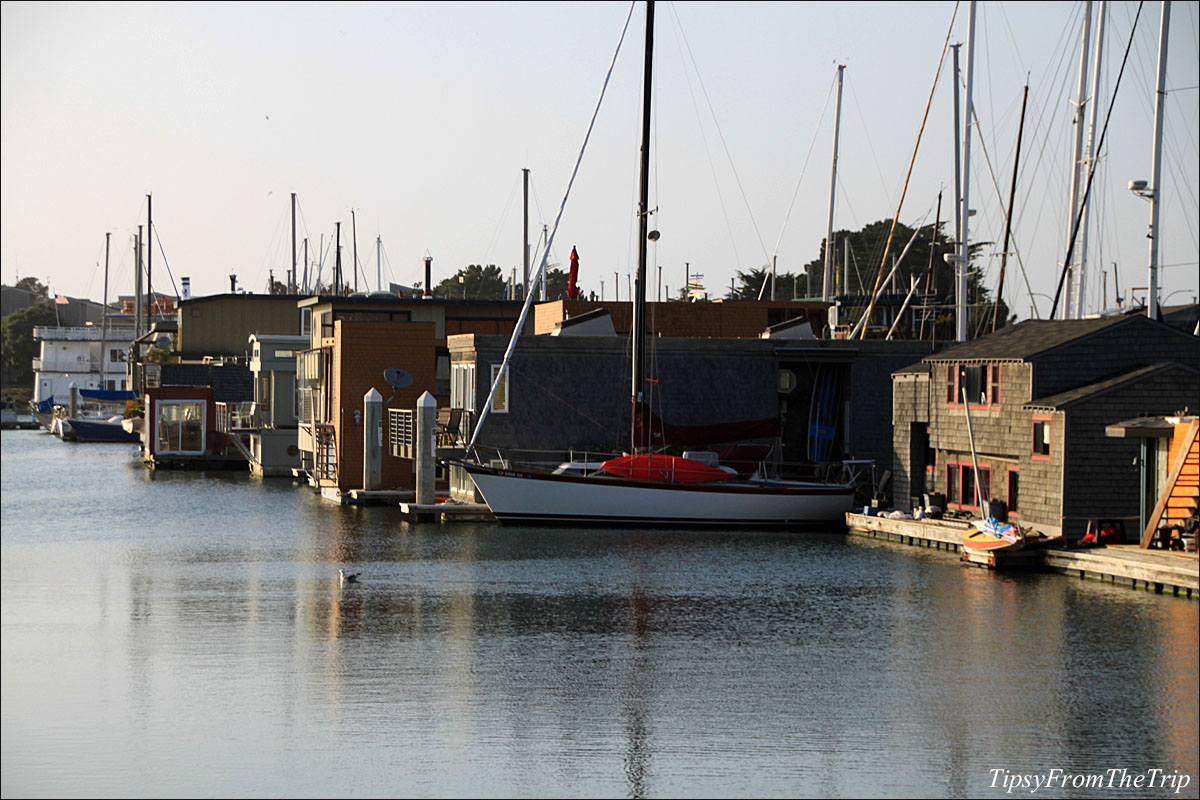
530, 497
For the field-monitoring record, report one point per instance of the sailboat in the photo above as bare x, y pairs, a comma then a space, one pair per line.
646, 488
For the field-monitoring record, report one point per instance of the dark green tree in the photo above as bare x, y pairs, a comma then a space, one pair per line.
31, 284
17, 348
751, 282
474, 282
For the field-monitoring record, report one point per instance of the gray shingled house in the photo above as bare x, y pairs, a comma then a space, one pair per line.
1040, 395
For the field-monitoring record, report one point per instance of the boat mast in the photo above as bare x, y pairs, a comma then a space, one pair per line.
1077, 152
964, 249
639, 300
104, 320
837, 126
354, 235
292, 278
1012, 196
149, 267
1155, 193
1090, 156
137, 260
525, 231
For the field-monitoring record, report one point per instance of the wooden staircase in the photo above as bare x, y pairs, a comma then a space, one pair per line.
1179, 499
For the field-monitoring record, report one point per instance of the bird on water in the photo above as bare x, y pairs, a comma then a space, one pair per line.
345, 577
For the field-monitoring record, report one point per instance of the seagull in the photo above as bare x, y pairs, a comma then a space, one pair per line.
348, 578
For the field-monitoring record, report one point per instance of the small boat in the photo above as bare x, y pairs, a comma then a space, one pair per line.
95, 429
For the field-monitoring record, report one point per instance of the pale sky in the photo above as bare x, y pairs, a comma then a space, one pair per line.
420, 117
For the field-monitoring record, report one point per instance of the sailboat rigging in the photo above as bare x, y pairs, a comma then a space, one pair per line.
645, 488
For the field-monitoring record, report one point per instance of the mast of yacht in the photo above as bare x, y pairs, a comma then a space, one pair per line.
149, 266
639, 299
965, 212
1155, 192
1090, 155
837, 126
104, 321
1077, 152
292, 277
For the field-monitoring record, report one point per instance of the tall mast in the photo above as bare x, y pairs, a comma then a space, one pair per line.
1156, 177
837, 126
965, 212
957, 153
104, 321
292, 277
354, 236
137, 261
1077, 152
1090, 156
639, 300
305, 265
525, 232
149, 267
1012, 195
378, 263
337, 272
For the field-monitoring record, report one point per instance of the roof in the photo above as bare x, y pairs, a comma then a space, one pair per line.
919, 368
1027, 339
1072, 396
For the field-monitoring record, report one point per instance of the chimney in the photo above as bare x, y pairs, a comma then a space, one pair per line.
428, 276
233, 284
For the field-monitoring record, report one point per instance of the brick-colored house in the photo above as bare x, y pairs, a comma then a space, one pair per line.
353, 342
1040, 395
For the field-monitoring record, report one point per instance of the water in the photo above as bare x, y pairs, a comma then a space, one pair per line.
185, 634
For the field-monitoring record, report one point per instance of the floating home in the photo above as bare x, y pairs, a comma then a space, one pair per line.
1040, 395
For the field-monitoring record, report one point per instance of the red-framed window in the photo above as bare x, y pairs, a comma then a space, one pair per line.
1040, 447
981, 382
960, 484
1014, 491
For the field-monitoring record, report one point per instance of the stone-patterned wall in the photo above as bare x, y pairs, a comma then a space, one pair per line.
910, 404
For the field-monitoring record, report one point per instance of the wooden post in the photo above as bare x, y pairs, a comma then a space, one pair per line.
372, 440
426, 430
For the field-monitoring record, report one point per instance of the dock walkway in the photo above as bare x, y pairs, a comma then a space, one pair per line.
1158, 571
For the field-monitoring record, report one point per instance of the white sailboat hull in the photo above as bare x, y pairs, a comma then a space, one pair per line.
528, 497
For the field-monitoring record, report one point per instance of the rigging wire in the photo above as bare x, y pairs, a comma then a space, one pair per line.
512, 343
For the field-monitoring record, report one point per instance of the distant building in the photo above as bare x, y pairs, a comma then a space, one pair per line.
73, 356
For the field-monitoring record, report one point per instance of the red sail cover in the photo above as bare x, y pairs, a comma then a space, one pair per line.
651, 431
659, 468
573, 277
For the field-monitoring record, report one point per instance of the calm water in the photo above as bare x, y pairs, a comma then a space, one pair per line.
185, 634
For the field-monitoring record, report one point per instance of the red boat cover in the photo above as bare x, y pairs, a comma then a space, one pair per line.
659, 468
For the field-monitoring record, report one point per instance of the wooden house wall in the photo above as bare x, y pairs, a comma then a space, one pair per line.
910, 405
1101, 476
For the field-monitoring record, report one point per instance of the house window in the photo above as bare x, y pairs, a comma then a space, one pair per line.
960, 484
180, 426
1014, 475
1041, 438
980, 381
462, 386
500, 399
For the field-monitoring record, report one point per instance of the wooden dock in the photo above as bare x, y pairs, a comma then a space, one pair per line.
1159, 571
446, 512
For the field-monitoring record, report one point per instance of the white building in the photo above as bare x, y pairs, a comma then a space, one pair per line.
72, 355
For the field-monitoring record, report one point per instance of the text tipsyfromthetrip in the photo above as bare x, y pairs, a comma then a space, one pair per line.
1117, 778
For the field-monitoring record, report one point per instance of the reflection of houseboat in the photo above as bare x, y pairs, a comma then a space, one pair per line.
9, 419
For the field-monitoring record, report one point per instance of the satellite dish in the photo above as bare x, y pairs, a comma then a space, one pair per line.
397, 378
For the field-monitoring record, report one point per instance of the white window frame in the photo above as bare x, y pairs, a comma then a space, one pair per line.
203, 425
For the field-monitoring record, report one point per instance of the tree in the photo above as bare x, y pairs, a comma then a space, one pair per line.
787, 285
924, 261
31, 284
474, 282
17, 348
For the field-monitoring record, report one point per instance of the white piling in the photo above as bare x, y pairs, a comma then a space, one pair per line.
426, 443
372, 441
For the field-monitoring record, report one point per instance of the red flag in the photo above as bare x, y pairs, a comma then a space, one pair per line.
60, 300
573, 277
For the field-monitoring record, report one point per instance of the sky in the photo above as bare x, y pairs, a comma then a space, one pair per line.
419, 118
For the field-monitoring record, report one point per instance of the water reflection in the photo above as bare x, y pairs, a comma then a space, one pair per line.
194, 638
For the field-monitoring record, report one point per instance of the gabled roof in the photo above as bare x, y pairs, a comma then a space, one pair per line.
1030, 338
1063, 399
919, 368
